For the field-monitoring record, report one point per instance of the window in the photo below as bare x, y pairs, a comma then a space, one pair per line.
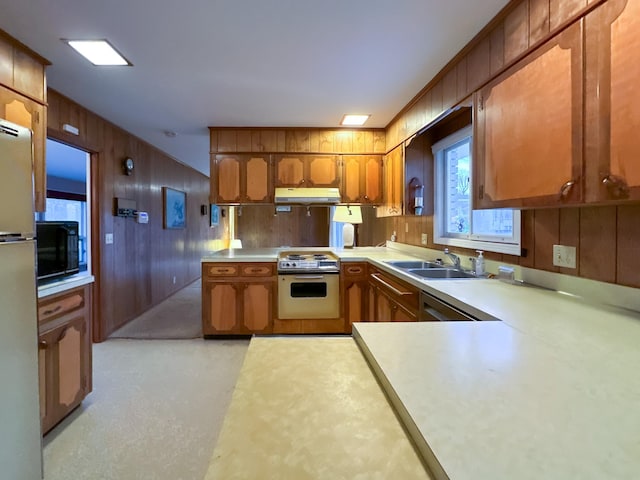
455, 222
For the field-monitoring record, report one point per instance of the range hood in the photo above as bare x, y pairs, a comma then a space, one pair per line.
308, 196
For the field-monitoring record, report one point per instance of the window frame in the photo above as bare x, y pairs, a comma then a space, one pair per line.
490, 243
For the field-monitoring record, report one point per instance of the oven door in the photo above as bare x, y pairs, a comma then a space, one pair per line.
308, 296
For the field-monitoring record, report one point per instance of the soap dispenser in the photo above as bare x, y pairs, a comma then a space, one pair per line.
480, 263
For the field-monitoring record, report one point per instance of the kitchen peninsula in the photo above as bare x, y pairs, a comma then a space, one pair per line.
548, 392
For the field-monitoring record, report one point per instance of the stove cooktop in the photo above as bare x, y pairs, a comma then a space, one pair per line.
308, 262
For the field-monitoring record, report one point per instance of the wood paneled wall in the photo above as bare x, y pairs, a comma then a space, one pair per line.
136, 272
258, 227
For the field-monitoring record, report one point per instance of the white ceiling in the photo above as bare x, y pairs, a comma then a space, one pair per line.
201, 63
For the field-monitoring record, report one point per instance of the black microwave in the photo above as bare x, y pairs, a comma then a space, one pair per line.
57, 245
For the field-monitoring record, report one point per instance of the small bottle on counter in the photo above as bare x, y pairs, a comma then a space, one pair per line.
479, 263
394, 237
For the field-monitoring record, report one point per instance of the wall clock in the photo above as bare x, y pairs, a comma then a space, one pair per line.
128, 166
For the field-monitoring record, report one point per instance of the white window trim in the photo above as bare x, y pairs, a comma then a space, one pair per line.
471, 241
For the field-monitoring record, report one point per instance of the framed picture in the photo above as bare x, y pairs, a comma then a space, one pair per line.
215, 215
174, 206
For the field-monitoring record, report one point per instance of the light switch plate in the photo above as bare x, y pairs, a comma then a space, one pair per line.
424, 239
564, 256
108, 238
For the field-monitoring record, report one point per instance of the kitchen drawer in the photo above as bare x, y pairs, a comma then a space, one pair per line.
257, 270
396, 289
58, 305
222, 269
354, 269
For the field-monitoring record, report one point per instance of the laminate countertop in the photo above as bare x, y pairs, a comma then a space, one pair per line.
496, 400
310, 408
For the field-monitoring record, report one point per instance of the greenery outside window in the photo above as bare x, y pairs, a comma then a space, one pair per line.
455, 222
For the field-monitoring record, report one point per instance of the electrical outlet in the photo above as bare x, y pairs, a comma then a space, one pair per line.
424, 239
174, 280
108, 238
564, 256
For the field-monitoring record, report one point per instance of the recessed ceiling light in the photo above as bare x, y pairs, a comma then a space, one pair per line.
354, 120
98, 52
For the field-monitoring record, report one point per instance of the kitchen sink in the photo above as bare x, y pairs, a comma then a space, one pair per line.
407, 264
440, 273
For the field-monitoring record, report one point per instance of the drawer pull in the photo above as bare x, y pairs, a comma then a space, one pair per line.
52, 311
256, 270
389, 286
353, 270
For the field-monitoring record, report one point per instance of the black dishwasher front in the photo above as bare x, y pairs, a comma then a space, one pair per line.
433, 309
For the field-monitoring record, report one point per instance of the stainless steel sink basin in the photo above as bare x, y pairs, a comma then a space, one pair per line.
407, 264
440, 273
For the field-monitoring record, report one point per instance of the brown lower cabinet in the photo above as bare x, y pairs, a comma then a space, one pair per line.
391, 299
353, 292
238, 298
64, 353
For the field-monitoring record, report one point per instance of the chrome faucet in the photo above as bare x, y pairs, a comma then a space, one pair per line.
454, 258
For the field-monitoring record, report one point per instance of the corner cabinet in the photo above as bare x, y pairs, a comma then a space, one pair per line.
391, 299
362, 179
241, 179
528, 129
353, 292
64, 353
307, 171
612, 99
238, 298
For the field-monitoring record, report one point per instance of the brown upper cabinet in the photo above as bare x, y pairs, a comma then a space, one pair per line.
362, 179
529, 126
307, 171
613, 118
393, 182
242, 179
23, 102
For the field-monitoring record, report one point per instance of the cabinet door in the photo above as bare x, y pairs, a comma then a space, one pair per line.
227, 178
220, 308
528, 129
400, 313
393, 182
323, 171
63, 357
612, 99
27, 113
362, 179
258, 183
384, 305
354, 298
290, 171
257, 307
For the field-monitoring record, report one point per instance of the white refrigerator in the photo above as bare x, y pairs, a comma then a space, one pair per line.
20, 435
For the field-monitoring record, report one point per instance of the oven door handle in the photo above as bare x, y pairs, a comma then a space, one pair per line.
309, 277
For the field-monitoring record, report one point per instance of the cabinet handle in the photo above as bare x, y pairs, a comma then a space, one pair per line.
43, 344
565, 189
617, 186
52, 311
389, 286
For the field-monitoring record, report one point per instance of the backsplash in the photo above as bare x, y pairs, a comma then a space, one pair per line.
607, 239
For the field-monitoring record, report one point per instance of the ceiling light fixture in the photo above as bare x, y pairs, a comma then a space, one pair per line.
354, 120
98, 52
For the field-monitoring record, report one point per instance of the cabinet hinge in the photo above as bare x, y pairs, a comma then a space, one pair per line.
481, 192
480, 103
